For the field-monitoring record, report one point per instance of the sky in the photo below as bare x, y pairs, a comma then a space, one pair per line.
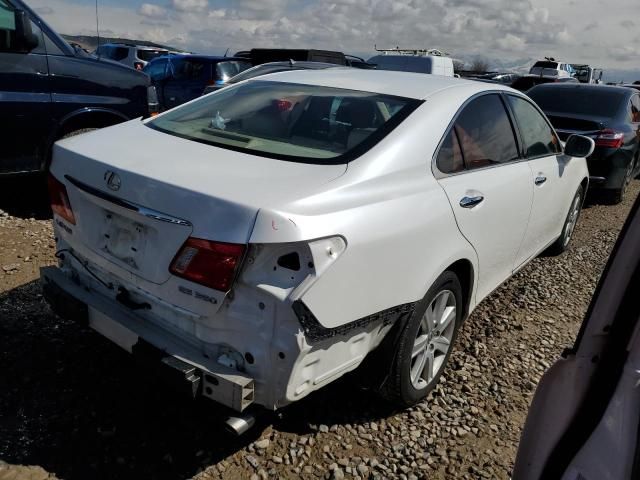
507, 32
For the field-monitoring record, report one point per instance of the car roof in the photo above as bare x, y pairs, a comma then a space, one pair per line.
302, 64
585, 86
132, 45
386, 82
211, 58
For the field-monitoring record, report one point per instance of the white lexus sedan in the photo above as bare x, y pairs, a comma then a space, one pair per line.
261, 241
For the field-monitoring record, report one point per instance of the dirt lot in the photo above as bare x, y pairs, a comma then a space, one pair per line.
75, 405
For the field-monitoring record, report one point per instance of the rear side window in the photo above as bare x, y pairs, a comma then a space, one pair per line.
485, 133
450, 156
538, 136
120, 53
148, 55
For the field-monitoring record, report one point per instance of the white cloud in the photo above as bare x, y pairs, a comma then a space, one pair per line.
152, 11
190, 5
44, 10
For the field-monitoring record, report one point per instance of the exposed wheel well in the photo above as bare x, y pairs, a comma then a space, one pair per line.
81, 121
464, 271
584, 184
88, 120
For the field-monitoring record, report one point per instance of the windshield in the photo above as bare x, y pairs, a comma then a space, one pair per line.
289, 121
598, 101
148, 55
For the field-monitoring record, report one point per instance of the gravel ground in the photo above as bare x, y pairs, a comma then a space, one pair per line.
75, 405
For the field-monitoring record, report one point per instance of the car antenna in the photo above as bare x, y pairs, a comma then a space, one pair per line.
225, 53
292, 62
98, 29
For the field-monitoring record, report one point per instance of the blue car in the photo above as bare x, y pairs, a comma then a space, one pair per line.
181, 78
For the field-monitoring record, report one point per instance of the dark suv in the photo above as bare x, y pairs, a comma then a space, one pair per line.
181, 78
49, 89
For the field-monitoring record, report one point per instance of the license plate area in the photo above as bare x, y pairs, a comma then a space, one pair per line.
124, 239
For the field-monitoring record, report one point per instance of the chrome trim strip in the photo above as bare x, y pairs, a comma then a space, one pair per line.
147, 212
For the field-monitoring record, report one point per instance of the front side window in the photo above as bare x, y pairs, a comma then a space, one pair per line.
538, 136
188, 69
305, 123
7, 27
485, 133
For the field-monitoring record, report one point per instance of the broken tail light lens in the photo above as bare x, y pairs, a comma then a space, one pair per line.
60, 204
212, 264
609, 139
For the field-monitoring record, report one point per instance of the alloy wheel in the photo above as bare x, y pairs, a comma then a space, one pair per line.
433, 339
572, 220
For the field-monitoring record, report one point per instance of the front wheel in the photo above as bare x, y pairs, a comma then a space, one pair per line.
425, 344
562, 243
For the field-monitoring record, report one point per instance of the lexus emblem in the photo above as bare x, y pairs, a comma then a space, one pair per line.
113, 180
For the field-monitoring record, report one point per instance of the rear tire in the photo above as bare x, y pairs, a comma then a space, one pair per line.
425, 344
563, 241
618, 195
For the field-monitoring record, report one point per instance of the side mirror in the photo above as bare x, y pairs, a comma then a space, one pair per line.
579, 146
25, 38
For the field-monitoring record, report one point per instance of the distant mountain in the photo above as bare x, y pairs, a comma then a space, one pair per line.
90, 42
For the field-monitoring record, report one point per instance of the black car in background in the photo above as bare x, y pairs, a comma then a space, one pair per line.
49, 90
258, 56
526, 83
609, 115
273, 67
181, 78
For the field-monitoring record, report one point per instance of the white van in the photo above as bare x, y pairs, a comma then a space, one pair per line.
435, 65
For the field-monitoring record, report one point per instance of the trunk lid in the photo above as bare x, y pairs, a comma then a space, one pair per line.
567, 125
139, 194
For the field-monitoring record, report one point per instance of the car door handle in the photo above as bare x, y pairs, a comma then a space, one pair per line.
540, 180
470, 202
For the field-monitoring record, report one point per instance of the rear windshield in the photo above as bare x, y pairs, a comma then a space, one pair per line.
148, 55
598, 101
553, 65
303, 123
226, 70
258, 71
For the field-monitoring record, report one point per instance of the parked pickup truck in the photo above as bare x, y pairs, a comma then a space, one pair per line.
49, 90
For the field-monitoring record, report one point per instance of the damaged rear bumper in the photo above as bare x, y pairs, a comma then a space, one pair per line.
178, 362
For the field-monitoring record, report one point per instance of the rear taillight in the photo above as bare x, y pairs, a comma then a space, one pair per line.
60, 200
609, 139
212, 264
152, 101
